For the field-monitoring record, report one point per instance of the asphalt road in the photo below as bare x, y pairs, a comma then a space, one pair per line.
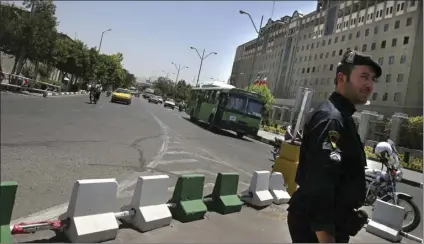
49, 143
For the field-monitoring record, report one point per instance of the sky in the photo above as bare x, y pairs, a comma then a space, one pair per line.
153, 34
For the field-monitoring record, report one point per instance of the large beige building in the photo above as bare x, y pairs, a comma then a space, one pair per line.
303, 50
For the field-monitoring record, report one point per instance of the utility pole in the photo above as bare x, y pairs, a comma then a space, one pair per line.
202, 57
179, 67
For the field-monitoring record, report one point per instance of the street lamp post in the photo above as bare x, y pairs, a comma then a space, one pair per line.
179, 67
256, 42
202, 57
101, 38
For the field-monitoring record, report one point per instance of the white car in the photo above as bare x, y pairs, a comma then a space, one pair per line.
169, 103
160, 99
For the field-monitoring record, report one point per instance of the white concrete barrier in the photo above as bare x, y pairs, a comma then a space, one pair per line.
386, 221
277, 188
91, 211
259, 189
149, 202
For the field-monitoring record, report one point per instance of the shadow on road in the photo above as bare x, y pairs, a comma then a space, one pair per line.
215, 130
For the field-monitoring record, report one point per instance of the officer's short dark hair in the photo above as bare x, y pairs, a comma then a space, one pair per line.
352, 58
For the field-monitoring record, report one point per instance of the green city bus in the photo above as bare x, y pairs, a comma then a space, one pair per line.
226, 107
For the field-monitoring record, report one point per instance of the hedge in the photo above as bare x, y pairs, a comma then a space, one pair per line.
415, 163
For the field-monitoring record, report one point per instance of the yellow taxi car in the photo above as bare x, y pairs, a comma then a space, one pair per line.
121, 95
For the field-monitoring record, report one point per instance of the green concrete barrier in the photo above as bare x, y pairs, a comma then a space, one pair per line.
224, 196
188, 198
7, 200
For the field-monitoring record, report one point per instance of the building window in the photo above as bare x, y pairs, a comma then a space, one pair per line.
383, 44
386, 27
408, 21
356, 48
313, 69
303, 70
340, 52
374, 96
373, 46
331, 67
316, 56
376, 30
333, 54
358, 34
367, 32
385, 96
364, 48
403, 59
343, 38
400, 78
400, 7
326, 54
329, 41
412, 3
324, 67
394, 42
350, 36
323, 43
336, 39
396, 98
321, 55
405, 40
397, 24
388, 78
389, 10
391, 59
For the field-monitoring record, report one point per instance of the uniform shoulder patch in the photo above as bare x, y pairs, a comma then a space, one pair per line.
333, 137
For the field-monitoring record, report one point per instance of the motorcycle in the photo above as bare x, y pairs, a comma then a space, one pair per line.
381, 184
93, 97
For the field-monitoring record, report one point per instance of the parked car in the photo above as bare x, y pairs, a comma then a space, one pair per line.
153, 99
160, 99
169, 103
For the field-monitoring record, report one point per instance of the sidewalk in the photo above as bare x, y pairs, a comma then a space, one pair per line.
410, 177
268, 225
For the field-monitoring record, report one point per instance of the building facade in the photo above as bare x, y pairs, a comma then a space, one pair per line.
303, 50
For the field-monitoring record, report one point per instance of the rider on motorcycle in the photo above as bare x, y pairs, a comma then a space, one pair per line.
96, 89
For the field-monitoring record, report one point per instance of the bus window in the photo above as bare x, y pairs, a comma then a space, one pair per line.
213, 97
207, 96
236, 103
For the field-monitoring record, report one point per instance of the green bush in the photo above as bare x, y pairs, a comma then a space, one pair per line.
415, 163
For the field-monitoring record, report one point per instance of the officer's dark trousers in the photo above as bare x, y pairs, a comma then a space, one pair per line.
301, 232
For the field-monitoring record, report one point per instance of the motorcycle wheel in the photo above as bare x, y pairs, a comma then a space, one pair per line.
410, 225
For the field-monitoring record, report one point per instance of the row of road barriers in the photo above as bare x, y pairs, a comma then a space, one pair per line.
91, 217
22, 84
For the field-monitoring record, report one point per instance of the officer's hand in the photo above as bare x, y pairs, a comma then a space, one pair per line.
325, 237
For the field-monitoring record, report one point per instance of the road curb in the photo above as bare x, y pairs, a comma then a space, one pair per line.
58, 94
261, 139
405, 181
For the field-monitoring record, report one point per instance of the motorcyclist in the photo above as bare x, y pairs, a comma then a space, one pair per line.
96, 89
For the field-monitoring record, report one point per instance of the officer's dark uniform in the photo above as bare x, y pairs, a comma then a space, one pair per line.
330, 174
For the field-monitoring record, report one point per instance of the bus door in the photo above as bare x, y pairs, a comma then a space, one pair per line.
199, 100
222, 102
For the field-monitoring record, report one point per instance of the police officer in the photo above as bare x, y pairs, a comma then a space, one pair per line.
330, 173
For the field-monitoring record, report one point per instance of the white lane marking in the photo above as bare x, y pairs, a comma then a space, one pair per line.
55, 211
177, 161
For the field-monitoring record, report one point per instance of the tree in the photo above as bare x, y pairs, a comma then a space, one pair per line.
32, 35
182, 91
263, 90
163, 86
